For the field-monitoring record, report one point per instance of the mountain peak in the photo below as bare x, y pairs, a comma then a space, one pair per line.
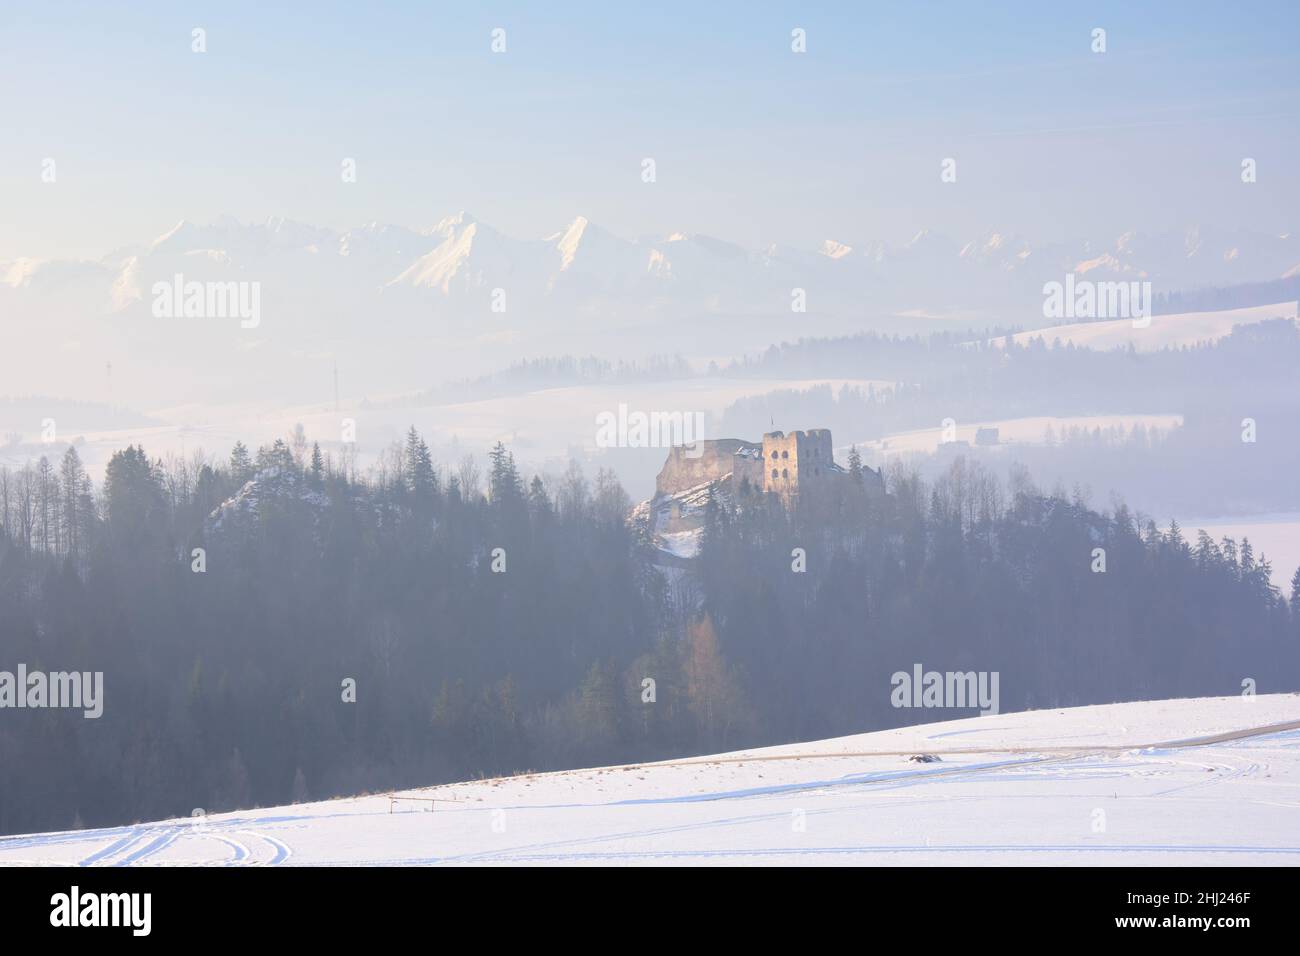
449, 224
569, 241
834, 250
181, 227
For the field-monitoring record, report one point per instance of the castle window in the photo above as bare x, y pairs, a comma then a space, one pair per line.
774, 455
785, 472
773, 472
785, 454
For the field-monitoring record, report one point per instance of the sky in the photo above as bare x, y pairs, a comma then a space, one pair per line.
751, 141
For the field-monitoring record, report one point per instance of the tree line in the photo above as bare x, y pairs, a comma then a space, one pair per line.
277, 626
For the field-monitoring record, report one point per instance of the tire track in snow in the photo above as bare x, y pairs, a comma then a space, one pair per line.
241, 851
164, 839
57, 839
138, 833
279, 851
282, 851
127, 842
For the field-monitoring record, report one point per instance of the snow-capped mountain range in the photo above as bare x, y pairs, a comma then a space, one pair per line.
462, 259
400, 308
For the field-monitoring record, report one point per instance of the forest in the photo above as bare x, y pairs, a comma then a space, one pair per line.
275, 627
1251, 371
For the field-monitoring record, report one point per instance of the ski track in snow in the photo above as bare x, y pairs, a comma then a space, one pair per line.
1223, 787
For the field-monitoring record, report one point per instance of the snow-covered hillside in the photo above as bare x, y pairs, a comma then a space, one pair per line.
1202, 781
1164, 331
1011, 431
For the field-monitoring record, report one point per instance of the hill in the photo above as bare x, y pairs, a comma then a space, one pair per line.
1179, 782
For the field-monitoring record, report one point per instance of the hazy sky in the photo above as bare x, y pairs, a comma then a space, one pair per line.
752, 142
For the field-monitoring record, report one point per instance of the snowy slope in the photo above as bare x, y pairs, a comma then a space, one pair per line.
1165, 331
1029, 430
1202, 781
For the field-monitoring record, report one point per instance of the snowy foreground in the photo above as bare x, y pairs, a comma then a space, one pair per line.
1182, 782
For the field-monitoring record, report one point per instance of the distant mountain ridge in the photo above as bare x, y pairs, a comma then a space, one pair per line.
584, 265
398, 307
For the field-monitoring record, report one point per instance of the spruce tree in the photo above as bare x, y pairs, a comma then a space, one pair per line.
855, 465
317, 474
241, 465
420, 476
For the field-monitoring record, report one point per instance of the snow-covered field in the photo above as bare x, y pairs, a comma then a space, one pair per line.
1202, 781
1164, 331
1028, 430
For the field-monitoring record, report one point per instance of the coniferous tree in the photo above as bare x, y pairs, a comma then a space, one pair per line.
241, 465
133, 498
855, 465
316, 475
504, 485
538, 500
420, 474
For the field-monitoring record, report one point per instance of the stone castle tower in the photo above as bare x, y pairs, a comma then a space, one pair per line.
801, 460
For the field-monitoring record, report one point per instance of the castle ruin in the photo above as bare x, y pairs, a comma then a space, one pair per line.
795, 465
787, 464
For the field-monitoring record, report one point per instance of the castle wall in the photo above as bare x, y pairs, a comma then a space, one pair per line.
707, 460
748, 466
